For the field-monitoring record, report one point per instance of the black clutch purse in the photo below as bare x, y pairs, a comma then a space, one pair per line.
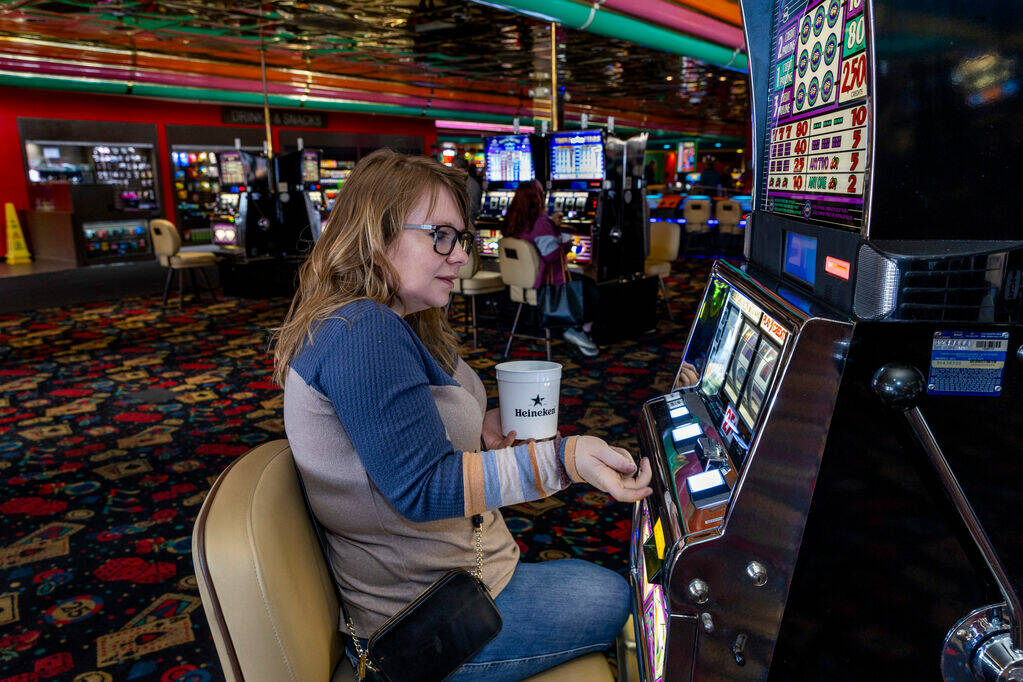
436, 633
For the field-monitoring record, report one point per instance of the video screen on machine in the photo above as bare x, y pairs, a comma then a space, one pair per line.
228, 200
741, 365
232, 168
310, 166
509, 159
581, 250
816, 149
577, 155
488, 240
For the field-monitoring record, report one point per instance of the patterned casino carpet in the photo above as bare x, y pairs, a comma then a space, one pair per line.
116, 418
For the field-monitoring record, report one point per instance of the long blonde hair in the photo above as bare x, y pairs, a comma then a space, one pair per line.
349, 261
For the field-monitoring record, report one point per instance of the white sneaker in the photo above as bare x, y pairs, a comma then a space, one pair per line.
581, 341
579, 338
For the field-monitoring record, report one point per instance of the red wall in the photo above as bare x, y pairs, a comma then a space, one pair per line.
15, 102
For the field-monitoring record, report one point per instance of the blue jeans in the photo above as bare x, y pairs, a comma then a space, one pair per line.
552, 612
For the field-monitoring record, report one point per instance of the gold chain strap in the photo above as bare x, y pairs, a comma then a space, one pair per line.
478, 532
364, 663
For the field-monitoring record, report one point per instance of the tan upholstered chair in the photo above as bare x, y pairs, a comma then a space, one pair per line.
664, 243
696, 213
728, 214
473, 282
520, 264
167, 246
266, 587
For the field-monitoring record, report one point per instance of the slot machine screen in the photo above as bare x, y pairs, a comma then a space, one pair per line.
310, 166
759, 381
800, 257
232, 168
578, 155
509, 159
488, 240
316, 198
229, 201
745, 348
581, 250
817, 138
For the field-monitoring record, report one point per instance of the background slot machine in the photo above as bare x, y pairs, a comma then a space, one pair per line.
196, 186
837, 488
245, 213
577, 191
510, 159
299, 200
333, 174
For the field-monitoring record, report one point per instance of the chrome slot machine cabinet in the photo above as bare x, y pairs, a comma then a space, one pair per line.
838, 489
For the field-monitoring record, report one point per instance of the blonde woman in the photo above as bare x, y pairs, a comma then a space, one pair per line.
385, 422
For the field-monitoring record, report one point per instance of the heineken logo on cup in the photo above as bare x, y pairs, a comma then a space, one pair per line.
528, 391
542, 412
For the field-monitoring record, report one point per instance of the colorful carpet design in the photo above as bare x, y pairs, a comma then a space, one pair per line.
116, 418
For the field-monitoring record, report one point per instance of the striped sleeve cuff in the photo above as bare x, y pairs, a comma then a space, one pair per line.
566, 453
526, 472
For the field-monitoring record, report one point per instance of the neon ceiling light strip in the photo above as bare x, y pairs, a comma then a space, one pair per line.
70, 69
486, 127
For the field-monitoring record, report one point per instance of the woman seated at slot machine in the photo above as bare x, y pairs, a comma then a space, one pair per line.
385, 422
527, 219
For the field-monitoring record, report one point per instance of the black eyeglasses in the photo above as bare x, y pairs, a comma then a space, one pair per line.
446, 236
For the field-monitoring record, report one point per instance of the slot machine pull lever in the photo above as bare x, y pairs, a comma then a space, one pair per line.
982, 641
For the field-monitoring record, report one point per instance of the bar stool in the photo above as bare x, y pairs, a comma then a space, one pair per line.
167, 247
664, 242
473, 282
696, 213
728, 214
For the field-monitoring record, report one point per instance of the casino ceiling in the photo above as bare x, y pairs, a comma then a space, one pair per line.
436, 58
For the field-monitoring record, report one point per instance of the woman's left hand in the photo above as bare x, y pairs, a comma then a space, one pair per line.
493, 434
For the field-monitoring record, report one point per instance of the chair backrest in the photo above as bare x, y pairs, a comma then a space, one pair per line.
471, 266
265, 586
519, 262
664, 240
166, 240
728, 213
696, 211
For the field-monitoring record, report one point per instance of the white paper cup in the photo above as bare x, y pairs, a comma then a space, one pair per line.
529, 391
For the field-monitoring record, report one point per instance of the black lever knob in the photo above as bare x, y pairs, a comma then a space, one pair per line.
899, 387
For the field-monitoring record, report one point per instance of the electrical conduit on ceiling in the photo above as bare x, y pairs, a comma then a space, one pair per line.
726, 10
594, 18
663, 13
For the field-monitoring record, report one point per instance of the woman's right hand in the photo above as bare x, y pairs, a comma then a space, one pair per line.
611, 469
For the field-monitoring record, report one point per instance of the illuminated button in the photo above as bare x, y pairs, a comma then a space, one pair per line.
677, 412
837, 268
707, 489
687, 432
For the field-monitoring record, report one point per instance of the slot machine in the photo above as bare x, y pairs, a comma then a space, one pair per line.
510, 159
577, 192
243, 221
838, 492
299, 200
599, 191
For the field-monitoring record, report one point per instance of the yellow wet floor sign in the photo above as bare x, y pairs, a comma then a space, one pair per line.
17, 250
